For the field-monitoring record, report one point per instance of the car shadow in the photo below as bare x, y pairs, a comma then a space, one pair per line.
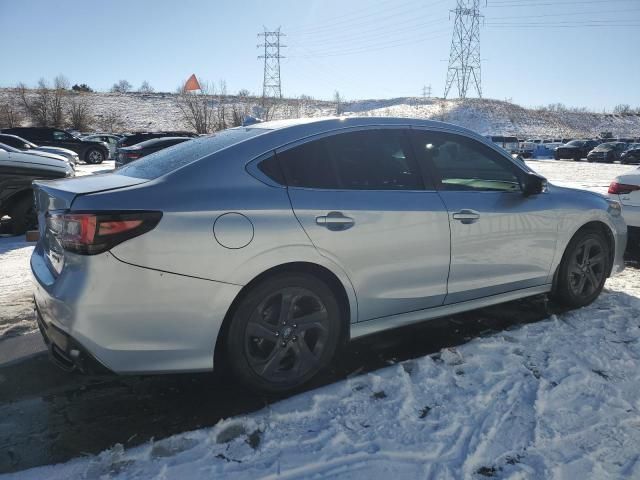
53, 416
12, 242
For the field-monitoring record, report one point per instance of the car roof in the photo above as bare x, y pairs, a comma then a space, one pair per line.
155, 141
317, 125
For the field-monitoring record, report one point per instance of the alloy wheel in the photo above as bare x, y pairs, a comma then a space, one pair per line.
95, 156
587, 268
286, 335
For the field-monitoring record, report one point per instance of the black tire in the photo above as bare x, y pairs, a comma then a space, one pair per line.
94, 156
23, 215
265, 342
583, 269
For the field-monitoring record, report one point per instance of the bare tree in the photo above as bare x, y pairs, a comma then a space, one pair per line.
337, 99
146, 88
241, 108
123, 86
221, 121
10, 115
110, 121
80, 117
197, 109
622, 109
36, 105
57, 99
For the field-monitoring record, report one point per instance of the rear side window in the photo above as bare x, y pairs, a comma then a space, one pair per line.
363, 160
309, 166
165, 161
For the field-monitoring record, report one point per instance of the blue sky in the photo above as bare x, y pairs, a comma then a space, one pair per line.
580, 53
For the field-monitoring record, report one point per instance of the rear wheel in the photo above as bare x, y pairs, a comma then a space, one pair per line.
94, 156
23, 215
283, 333
583, 269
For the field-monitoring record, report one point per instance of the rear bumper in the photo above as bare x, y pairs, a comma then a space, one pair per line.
129, 319
66, 352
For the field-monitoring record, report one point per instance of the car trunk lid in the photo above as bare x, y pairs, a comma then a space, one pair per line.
59, 195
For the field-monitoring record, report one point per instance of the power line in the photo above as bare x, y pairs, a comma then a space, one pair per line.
539, 3
464, 56
365, 40
271, 84
378, 46
344, 21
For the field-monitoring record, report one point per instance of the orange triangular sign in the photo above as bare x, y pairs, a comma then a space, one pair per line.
192, 84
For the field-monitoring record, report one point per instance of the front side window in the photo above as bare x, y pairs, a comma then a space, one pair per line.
59, 135
361, 160
460, 163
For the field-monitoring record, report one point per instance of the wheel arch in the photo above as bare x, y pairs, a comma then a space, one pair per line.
18, 196
330, 278
593, 225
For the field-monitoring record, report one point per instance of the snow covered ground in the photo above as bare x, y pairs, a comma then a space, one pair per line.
558, 398
159, 111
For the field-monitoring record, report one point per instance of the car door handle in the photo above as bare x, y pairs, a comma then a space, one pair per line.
466, 216
335, 221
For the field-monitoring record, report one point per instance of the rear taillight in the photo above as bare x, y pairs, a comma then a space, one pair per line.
622, 188
92, 233
131, 155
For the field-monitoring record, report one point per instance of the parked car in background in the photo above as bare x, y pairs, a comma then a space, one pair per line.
110, 139
631, 154
626, 189
607, 152
575, 149
246, 250
142, 149
27, 146
510, 144
545, 149
17, 171
89, 151
53, 156
129, 139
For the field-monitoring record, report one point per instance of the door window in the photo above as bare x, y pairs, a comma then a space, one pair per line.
60, 135
362, 160
460, 163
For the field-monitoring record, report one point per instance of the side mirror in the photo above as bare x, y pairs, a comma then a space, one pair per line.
533, 184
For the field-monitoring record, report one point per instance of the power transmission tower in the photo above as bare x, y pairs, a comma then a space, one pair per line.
464, 57
426, 91
271, 86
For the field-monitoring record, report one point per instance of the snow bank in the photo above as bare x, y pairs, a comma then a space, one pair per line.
158, 111
556, 399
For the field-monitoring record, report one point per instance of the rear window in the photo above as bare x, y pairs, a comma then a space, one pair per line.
166, 161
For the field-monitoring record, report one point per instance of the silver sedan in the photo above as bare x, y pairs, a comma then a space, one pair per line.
262, 249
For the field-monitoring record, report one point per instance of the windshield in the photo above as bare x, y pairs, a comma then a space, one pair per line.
172, 158
7, 148
576, 143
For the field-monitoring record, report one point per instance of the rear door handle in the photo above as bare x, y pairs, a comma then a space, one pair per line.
335, 221
466, 216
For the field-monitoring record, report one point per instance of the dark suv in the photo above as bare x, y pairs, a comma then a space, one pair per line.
88, 150
575, 149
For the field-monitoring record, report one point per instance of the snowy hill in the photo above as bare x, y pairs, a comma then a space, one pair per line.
158, 111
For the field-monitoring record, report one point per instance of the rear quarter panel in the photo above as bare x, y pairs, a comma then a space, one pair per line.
192, 199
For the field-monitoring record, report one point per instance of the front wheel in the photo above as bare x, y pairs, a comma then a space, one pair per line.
94, 156
583, 270
285, 331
